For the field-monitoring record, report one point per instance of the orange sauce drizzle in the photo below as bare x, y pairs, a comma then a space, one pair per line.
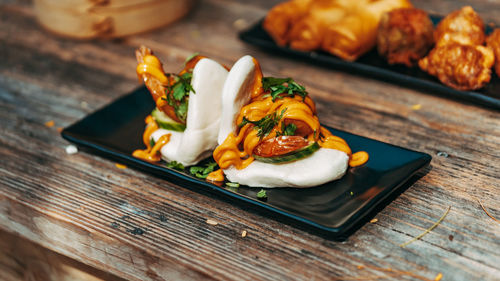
152, 67
236, 150
216, 176
359, 158
151, 153
257, 82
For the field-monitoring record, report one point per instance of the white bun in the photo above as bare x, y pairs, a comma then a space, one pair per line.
235, 95
203, 117
322, 166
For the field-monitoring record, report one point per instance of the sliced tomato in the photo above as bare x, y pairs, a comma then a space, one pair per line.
279, 146
302, 128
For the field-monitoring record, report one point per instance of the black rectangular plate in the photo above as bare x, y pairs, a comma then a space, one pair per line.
333, 210
373, 65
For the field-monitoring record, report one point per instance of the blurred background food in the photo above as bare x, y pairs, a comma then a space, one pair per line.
345, 28
493, 41
460, 59
86, 19
454, 52
462, 26
405, 35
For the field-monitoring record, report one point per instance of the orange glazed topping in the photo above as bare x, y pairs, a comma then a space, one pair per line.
237, 149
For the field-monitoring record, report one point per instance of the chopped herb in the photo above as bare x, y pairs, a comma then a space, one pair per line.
175, 165
178, 91
262, 194
288, 130
277, 87
266, 124
177, 94
181, 111
186, 77
152, 142
202, 172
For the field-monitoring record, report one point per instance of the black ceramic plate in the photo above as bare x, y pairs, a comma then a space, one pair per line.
334, 209
373, 65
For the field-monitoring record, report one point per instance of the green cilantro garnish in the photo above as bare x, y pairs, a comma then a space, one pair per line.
287, 130
178, 91
262, 194
175, 165
181, 110
152, 142
266, 124
202, 172
177, 94
279, 86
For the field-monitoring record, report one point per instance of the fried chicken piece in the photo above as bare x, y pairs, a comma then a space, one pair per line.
282, 17
405, 35
493, 41
352, 36
463, 26
344, 28
356, 33
307, 34
463, 67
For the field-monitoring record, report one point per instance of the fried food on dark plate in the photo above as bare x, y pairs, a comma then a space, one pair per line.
356, 32
281, 18
463, 67
307, 34
493, 41
405, 35
344, 28
459, 58
463, 26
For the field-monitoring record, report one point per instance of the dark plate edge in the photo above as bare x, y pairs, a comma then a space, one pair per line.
336, 233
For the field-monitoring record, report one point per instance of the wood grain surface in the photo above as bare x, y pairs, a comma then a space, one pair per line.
140, 227
21, 259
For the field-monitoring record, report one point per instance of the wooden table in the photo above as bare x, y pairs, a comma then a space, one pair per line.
86, 209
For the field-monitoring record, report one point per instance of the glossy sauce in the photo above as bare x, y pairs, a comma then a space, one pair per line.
150, 153
237, 150
216, 176
151, 72
151, 67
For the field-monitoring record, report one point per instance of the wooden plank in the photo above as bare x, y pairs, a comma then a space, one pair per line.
21, 259
144, 228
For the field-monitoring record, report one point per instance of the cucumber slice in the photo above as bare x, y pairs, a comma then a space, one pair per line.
291, 156
166, 122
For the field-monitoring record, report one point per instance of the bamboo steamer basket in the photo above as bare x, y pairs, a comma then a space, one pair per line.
86, 19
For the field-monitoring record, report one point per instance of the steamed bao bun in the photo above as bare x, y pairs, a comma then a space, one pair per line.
321, 167
203, 117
